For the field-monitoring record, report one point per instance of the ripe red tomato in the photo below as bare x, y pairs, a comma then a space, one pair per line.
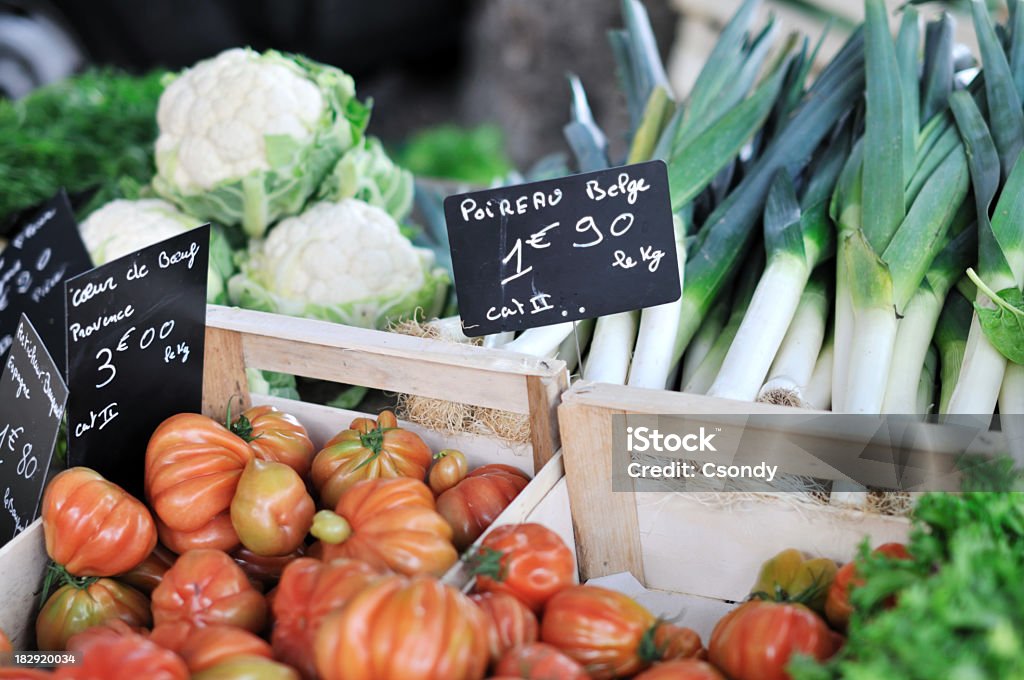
512, 624
309, 590
607, 632
528, 561
538, 661
115, 655
276, 436
147, 574
208, 646
471, 505
450, 467
94, 527
76, 607
678, 642
756, 640
404, 629
193, 464
271, 510
205, 587
837, 605
688, 669
389, 523
368, 449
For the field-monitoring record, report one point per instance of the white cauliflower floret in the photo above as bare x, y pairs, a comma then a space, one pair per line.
214, 118
335, 253
121, 227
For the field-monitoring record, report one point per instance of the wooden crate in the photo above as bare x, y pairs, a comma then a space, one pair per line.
705, 545
236, 339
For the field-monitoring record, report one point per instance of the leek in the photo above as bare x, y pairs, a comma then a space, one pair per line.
794, 364
818, 394
951, 339
704, 340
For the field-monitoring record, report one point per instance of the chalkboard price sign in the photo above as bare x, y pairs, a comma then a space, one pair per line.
45, 252
135, 333
32, 399
577, 247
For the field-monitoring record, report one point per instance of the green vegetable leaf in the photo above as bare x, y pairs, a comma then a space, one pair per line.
1004, 325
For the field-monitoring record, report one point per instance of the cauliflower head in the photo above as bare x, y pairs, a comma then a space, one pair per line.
367, 173
342, 261
245, 138
122, 227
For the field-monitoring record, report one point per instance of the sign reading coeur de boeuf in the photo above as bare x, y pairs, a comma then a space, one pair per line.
135, 336
576, 247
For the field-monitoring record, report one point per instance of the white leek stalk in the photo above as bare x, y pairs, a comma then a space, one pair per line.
1011, 408
654, 355
611, 348
540, 342
704, 340
797, 357
818, 394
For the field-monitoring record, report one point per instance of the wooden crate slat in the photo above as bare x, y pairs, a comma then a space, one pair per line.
605, 522
224, 378
21, 573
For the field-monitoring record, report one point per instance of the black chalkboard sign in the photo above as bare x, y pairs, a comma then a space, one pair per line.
572, 248
32, 399
135, 333
44, 252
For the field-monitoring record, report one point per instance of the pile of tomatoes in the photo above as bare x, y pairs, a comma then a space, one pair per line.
254, 557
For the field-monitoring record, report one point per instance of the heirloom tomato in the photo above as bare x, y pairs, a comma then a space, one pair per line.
688, 669
106, 629
450, 467
207, 646
193, 465
837, 607
247, 668
368, 449
271, 510
608, 633
539, 661
471, 505
404, 629
528, 561
205, 587
790, 577
94, 527
674, 642
84, 603
275, 436
512, 623
390, 524
308, 591
756, 640
114, 655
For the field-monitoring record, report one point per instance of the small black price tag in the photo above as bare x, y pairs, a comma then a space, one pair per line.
32, 399
45, 251
135, 335
577, 247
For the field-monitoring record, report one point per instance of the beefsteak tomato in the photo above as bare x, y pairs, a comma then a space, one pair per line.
538, 661
193, 465
608, 633
390, 524
81, 604
115, 655
404, 629
512, 623
450, 467
207, 646
276, 436
837, 607
528, 561
368, 449
205, 587
247, 668
756, 640
308, 591
471, 505
264, 572
790, 577
271, 510
94, 527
